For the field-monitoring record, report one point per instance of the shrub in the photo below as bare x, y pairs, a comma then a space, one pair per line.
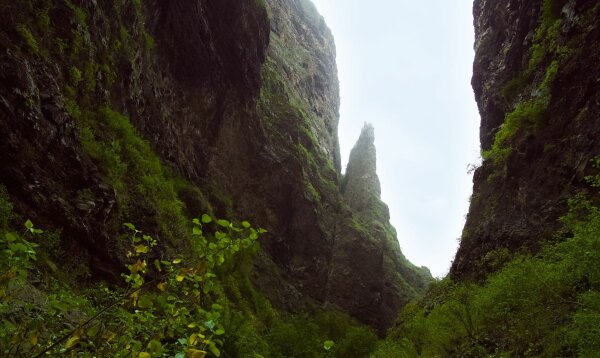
357, 342
166, 308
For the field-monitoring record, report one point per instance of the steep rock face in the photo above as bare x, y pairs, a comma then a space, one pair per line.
537, 86
303, 51
319, 244
361, 185
154, 112
368, 275
62, 62
293, 191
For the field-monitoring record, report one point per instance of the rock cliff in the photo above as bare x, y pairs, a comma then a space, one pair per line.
366, 254
154, 112
537, 83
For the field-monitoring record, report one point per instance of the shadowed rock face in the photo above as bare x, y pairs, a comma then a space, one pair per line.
335, 253
366, 257
218, 44
178, 90
535, 66
239, 99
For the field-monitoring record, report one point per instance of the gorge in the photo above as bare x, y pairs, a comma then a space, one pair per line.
148, 146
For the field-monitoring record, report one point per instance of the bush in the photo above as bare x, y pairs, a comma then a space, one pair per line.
297, 336
358, 342
168, 308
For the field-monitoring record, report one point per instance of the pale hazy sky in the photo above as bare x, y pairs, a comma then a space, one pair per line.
405, 66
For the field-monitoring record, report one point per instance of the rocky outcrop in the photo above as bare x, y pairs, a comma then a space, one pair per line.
537, 86
154, 112
361, 185
336, 254
368, 274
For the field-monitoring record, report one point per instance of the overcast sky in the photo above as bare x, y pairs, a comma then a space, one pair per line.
405, 66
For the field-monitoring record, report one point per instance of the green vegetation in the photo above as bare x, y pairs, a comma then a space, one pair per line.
5, 208
361, 225
125, 42
133, 170
551, 11
343, 338
137, 4
536, 305
313, 194
75, 75
42, 18
149, 40
168, 306
526, 115
186, 288
89, 77
79, 13
277, 101
261, 4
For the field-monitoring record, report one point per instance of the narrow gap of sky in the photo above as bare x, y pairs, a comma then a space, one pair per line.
405, 66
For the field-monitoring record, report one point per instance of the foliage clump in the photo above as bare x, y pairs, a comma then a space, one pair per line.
167, 307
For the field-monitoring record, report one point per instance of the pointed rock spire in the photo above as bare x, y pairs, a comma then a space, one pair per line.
361, 183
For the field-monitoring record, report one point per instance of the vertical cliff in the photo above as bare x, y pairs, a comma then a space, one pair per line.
93, 94
339, 255
368, 274
154, 112
537, 85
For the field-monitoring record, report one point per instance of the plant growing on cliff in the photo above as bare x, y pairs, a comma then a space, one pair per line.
526, 115
29, 39
547, 51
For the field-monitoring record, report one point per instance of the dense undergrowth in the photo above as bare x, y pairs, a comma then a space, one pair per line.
204, 305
